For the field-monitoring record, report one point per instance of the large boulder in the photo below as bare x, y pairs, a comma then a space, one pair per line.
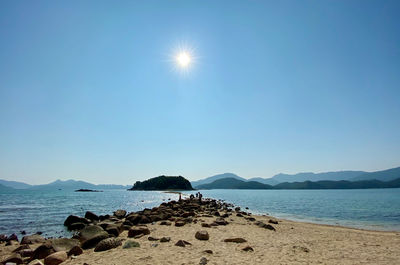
202, 235
107, 244
12, 237
75, 251
76, 226
91, 216
75, 219
56, 258
113, 230
91, 235
43, 251
120, 214
136, 231
32, 239
14, 258
64, 244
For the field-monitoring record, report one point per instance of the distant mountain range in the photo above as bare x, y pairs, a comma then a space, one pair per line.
383, 175
58, 184
232, 183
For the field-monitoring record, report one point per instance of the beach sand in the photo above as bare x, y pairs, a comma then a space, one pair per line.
291, 243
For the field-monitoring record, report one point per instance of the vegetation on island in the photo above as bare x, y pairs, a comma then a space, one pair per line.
163, 183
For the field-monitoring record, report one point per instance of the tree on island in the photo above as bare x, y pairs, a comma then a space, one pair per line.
163, 183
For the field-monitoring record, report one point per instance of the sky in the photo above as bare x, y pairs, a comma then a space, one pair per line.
90, 90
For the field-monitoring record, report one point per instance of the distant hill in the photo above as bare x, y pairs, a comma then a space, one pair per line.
74, 185
14, 184
342, 184
383, 175
216, 177
269, 181
232, 183
310, 176
5, 188
163, 183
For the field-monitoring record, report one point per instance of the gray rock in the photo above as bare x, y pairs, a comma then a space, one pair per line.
131, 244
165, 239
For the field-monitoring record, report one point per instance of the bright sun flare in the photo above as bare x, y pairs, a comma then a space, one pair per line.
183, 59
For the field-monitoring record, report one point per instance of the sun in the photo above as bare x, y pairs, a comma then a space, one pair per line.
183, 59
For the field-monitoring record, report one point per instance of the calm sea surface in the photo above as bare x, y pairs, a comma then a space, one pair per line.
34, 211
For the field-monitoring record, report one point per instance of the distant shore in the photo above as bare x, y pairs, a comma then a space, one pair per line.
257, 240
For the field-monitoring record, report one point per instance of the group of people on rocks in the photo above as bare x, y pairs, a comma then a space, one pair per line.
199, 196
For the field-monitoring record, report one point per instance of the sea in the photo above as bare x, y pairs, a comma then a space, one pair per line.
45, 211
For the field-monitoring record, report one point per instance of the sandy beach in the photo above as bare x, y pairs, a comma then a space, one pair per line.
291, 243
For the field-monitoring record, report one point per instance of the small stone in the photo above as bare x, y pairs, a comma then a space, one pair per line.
131, 244
272, 221
165, 223
154, 245
150, 238
56, 258
202, 235
203, 261
248, 248
182, 243
205, 225
208, 251
235, 240
179, 223
165, 239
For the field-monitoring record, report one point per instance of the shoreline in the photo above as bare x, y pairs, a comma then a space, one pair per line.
265, 239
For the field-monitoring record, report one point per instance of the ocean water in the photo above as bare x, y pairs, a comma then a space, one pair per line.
33, 211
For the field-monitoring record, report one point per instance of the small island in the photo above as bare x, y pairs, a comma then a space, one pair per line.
88, 190
163, 183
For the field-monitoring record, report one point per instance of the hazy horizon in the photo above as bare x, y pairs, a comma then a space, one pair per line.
94, 90
187, 177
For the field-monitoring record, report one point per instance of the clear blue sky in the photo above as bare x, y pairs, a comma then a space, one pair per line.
88, 90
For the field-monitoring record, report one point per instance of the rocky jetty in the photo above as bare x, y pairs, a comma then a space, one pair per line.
101, 232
